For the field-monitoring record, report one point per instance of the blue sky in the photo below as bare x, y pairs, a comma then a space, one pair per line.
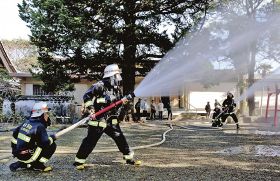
12, 27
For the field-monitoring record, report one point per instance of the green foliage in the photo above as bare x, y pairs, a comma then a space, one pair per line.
12, 118
4, 76
78, 38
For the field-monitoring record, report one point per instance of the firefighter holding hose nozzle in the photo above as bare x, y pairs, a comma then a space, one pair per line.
97, 97
229, 108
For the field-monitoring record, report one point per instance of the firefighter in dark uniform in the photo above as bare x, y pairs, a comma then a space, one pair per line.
216, 116
229, 108
31, 143
98, 96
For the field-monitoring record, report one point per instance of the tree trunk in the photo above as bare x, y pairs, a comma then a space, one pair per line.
242, 85
128, 71
251, 78
129, 52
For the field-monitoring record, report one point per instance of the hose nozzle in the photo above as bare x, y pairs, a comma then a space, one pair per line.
130, 96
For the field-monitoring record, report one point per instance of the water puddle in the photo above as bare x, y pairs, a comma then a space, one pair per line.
267, 132
258, 150
252, 131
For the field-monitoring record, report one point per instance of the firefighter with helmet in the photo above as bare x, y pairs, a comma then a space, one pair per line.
229, 108
216, 116
31, 143
97, 97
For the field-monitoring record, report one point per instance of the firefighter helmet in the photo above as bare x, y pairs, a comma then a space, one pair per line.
39, 108
229, 95
113, 72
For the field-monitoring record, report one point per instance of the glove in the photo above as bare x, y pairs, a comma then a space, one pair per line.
110, 98
87, 110
53, 137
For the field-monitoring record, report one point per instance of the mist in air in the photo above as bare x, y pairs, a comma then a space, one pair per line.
198, 56
269, 83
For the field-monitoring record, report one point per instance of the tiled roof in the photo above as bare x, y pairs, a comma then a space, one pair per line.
5, 60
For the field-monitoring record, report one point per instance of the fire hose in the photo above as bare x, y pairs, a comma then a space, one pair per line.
93, 116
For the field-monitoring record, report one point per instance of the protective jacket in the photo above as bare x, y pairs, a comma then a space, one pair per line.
31, 137
101, 95
216, 112
229, 105
97, 97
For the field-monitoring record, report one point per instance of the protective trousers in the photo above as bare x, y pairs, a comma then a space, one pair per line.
38, 155
94, 134
232, 114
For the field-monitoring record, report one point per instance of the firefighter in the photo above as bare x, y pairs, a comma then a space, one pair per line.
98, 96
229, 108
216, 117
31, 143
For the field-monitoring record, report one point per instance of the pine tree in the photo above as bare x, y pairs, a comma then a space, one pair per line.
78, 38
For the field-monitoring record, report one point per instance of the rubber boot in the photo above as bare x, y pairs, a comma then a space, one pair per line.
41, 167
14, 166
133, 162
237, 126
79, 166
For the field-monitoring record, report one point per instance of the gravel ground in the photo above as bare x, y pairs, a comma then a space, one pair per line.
192, 151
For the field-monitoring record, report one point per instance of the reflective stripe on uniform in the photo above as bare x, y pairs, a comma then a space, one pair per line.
14, 141
114, 121
129, 156
93, 123
102, 124
96, 123
34, 156
80, 160
43, 160
51, 140
100, 100
24, 137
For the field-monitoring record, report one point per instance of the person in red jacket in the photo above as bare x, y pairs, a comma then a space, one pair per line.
31, 144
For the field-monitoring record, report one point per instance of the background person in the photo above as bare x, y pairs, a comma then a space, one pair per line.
153, 110
208, 109
144, 107
160, 110
216, 103
138, 108
169, 111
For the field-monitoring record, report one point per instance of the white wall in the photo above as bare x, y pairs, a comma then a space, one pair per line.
28, 89
80, 90
200, 99
199, 95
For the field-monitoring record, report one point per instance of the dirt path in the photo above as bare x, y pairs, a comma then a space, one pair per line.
190, 152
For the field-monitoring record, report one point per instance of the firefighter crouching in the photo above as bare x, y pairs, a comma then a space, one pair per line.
97, 97
31, 143
216, 116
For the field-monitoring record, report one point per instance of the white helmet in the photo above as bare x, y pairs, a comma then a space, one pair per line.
113, 72
39, 108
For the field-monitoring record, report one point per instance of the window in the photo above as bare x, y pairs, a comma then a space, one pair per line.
37, 90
